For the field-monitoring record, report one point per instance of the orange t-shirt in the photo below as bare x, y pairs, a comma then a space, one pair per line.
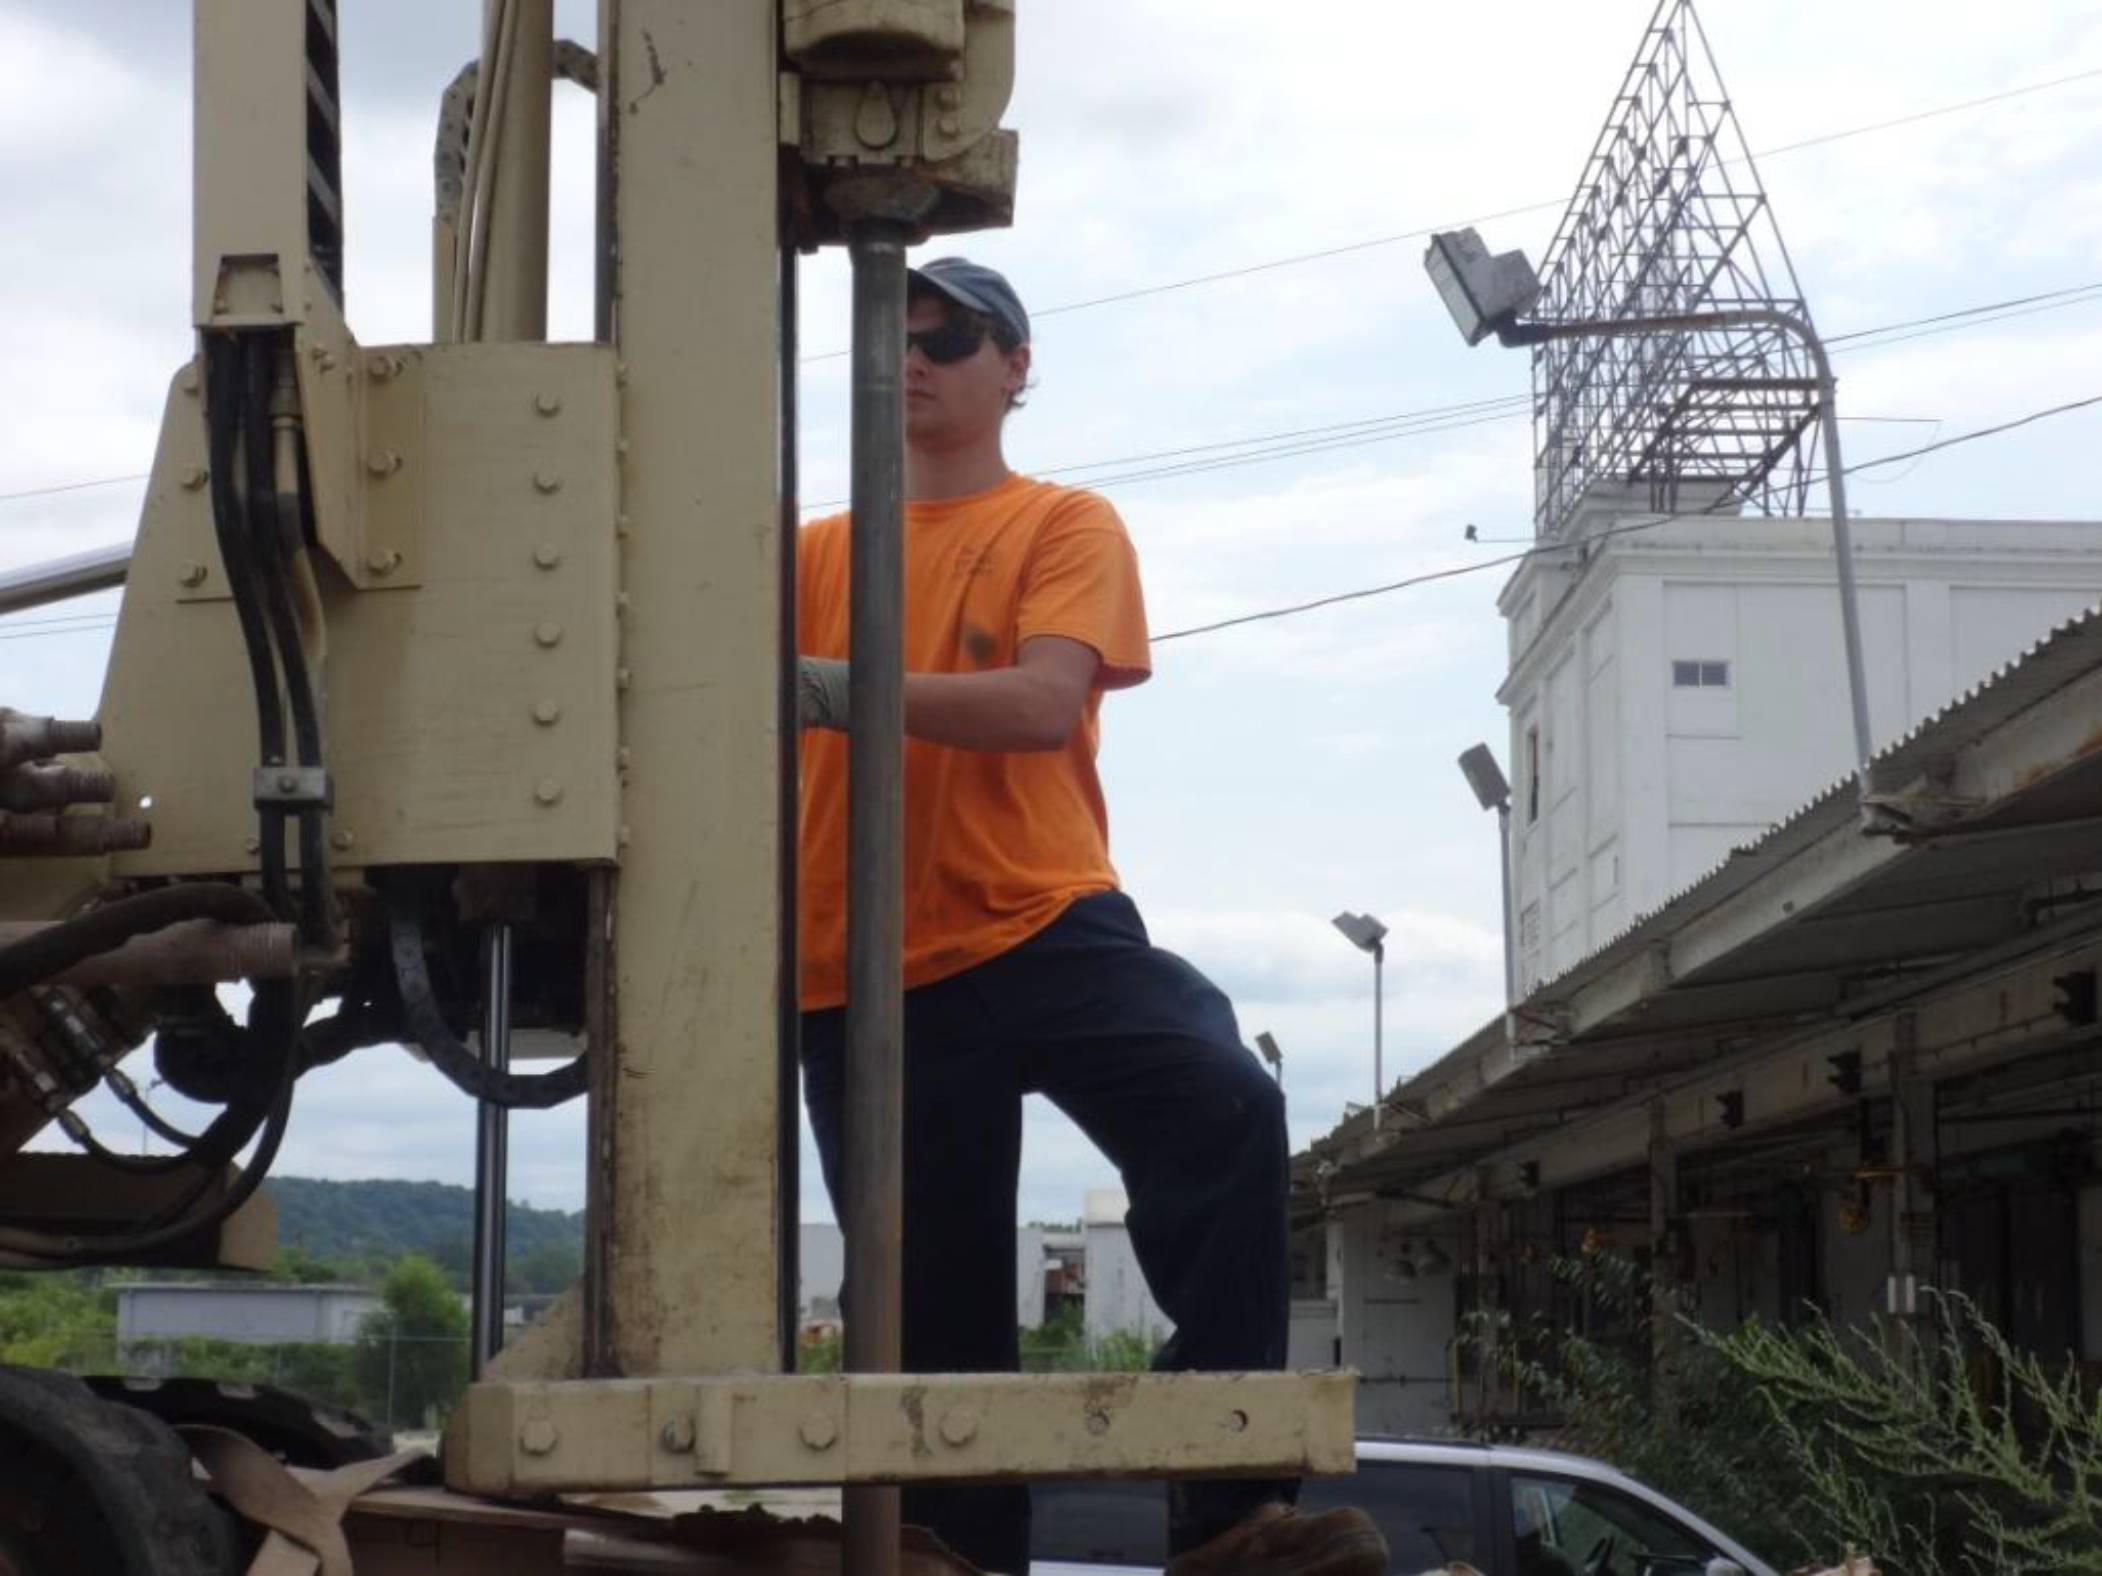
996, 844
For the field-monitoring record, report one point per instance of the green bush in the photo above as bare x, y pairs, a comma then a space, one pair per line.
1932, 1444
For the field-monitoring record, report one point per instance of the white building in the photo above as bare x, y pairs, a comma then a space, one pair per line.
1117, 1299
1674, 691
822, 1261
259, 1313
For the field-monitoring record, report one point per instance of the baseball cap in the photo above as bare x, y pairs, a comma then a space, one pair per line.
978, 287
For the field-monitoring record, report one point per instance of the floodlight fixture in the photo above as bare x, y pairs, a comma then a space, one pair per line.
1491, 788
1362, 930
1485, 295
1267, 1044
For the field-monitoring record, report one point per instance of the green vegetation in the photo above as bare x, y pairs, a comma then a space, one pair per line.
1930, 1443
1060, 1345
363, 1228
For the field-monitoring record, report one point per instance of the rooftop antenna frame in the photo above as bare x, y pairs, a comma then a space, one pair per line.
1669, 218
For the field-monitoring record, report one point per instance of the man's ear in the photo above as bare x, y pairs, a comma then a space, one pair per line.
1018, 369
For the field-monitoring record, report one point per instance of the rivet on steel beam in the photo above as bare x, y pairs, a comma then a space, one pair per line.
620, 372
546, 713
960, 1425
381, 562
950, 126
1237, 1422
622, 837
547, 402
194, 477
252, 845
1098, 1423
622, 525
324, 358
620, 447
548, 634
547, 555
193, 575
623, 677
537, 1437
677, 1435
340, 839
547, 791
620, 604
382, 462
382, 367
818, 1431
950, 97
623, 757
547, 480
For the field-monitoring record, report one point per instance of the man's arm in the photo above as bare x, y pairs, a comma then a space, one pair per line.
1034, 705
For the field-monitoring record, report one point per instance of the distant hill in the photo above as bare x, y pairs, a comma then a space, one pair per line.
360, 1228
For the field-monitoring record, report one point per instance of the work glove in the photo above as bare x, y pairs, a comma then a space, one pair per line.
821, 692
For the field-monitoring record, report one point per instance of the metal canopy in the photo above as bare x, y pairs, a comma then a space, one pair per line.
1815, 922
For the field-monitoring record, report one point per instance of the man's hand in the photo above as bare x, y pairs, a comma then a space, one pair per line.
821, 692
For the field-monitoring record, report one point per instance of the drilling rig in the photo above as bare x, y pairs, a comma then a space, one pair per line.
449, 700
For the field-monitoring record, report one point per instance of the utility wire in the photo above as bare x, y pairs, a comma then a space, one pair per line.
1648, 524
1372, 242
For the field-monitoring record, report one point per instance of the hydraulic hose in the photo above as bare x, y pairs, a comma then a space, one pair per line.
53, 950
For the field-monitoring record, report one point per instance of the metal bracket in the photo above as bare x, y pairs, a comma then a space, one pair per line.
294, 788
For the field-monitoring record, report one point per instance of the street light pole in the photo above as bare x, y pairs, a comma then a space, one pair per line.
1503, 849
1369, 935
1379, 1000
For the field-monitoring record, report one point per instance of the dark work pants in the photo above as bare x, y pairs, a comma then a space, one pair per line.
1142, 1052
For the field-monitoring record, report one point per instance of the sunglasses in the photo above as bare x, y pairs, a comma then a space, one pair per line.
948, 344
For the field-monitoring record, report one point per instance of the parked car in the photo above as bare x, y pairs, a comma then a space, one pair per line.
1504, 1510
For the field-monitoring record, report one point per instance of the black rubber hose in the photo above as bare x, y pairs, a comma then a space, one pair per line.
53, 950
273, 521
258, 547
428, 1028
160, 1126
275, 1000
225, 401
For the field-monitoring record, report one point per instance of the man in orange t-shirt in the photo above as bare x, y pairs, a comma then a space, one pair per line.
1026, 970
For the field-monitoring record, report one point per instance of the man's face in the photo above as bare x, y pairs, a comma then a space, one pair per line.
960, 402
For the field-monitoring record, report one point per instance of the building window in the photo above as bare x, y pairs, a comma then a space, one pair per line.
1700, 675
1532, 775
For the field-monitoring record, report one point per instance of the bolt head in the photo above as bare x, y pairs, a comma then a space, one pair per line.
548, 634
340, 839
951, 126
547, 792
818, 1431
959, 1426
547, 713
547, 555
383, 562
547, 480
1098, 1423
537, 1437
383, 462
194, 477
547, 402
193, 575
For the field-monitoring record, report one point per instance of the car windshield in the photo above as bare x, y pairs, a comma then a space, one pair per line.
1573, 1527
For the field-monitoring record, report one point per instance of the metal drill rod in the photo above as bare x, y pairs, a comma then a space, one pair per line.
875, 1027
57, 579
492, 1159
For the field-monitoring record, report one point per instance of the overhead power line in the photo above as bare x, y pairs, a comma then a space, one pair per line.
1424, 232
1651, 523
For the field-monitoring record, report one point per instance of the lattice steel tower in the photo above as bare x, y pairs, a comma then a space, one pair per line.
1668, 217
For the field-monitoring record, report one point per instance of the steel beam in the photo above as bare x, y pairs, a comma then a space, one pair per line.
521, 1438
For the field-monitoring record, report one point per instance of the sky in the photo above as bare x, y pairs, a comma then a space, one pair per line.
1272, 774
